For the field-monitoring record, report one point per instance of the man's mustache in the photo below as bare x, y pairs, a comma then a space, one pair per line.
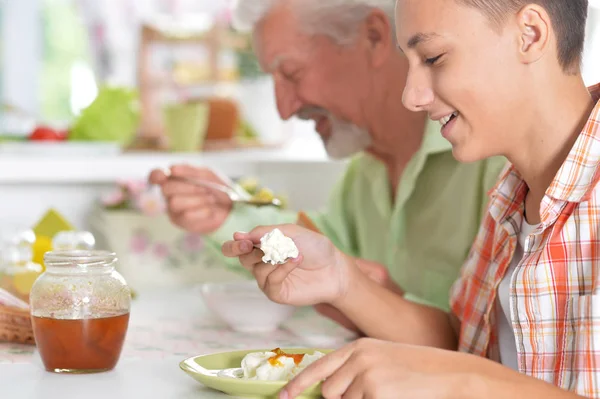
307, 113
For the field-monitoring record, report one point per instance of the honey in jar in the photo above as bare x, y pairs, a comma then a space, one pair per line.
80, 311
84, 345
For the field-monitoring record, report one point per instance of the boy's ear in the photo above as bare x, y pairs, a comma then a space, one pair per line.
534, 27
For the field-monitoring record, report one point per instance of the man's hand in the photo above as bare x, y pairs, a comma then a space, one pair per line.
193, 208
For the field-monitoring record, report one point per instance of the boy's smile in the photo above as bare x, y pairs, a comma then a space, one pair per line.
447, 122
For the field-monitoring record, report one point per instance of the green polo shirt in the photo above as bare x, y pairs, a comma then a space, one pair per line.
423, 237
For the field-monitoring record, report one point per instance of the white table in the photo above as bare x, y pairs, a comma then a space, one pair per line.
165, 328
160, 378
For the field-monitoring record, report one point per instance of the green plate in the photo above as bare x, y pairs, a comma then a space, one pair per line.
199, 367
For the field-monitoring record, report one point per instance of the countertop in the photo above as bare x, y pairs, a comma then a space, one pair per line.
166, 327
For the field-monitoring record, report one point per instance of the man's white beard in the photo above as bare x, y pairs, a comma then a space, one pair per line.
346, 139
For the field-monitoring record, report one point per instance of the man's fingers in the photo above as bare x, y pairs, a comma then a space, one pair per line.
172, 188
157, 176
374, 270
380, 274
188, 171
183, 203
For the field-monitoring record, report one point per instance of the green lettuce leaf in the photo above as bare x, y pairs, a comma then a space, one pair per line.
113, 116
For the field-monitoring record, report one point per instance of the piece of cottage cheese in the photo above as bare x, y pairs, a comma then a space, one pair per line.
276, 366
277, 247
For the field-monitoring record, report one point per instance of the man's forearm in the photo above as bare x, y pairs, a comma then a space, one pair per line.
383, 314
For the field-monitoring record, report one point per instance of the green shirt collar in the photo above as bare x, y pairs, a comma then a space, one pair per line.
433, 143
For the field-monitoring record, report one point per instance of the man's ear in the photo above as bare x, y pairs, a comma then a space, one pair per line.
376, 33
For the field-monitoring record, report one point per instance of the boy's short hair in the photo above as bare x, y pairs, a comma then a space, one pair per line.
568, 18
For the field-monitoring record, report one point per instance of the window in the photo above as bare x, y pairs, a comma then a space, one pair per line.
67, 81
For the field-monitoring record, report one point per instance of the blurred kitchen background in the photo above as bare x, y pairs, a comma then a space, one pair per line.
96, 93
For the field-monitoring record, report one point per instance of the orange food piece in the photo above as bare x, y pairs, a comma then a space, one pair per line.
304, 221
274, 360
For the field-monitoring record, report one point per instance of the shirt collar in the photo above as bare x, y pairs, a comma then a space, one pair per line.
432, 143
574, 181
578, 175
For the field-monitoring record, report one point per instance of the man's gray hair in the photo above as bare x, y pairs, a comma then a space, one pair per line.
338, 19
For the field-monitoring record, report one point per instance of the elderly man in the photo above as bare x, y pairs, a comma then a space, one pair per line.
404, 204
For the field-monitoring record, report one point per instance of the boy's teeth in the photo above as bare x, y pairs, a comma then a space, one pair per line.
446, 119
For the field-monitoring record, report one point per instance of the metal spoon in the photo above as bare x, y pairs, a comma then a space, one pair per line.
236, 373
234, 195
189, 365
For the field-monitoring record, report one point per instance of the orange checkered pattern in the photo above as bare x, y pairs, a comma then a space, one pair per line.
555, 290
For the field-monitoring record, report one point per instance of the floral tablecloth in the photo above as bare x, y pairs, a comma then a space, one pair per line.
176, 323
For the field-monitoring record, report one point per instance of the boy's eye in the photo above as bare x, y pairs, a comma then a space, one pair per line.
432, 61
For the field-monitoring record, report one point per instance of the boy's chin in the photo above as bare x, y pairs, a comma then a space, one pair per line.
464, 154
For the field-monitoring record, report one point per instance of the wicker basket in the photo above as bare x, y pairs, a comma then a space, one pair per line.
15, 325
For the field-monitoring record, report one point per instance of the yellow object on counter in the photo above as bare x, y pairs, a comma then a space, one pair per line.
51, 223
47, 227
42, 245
19, 278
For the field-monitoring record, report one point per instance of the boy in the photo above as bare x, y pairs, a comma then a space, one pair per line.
503, 78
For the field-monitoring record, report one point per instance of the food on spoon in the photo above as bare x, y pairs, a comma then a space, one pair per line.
249, 184
260, 193
264, 195
276, 365
277, 247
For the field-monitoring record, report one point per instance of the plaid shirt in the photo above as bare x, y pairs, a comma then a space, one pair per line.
555, 289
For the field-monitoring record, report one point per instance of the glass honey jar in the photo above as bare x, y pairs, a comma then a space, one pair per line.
80, 311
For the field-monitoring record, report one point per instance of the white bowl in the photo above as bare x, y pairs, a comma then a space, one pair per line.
244, 307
